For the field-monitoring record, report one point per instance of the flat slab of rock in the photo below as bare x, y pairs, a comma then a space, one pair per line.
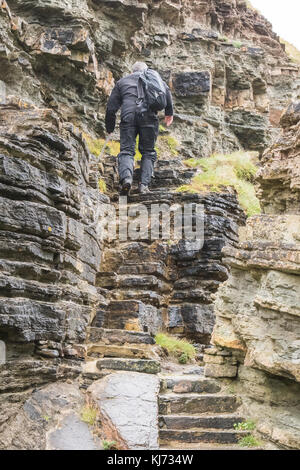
115, 336
134, 365
73, 434
128, 404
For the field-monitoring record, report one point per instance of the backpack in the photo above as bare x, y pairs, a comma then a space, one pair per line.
152, 92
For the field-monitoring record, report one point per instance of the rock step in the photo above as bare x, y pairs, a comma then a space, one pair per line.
203, 446
190, 384
172, 403
130, 351
206, 422
135, 365
117, 336
213, 436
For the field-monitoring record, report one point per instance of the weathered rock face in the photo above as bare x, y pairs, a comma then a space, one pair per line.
49, 253
59, 61
279, 178
50, 419
257, 309
150, 283
227, 69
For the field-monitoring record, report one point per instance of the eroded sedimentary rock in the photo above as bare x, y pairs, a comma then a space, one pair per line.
127, 402
228, 71
257, 309
152, 284
49, 253
58, 63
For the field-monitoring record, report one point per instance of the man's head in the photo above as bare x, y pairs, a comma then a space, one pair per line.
139, 67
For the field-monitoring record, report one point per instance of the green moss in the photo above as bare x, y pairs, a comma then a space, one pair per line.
245, 426
172, 143
237, 169
113, 148
192, 162
95, 146
178, 348
102, 185
249, 441
89, 415
237, 44
185, 188
166, 145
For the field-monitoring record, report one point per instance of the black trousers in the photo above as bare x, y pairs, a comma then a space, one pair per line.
146, 127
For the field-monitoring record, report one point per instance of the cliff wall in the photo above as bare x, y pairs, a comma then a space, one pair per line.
59, 60
257, 328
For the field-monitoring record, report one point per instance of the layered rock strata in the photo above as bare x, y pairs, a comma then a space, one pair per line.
257, 329
49, 253
151, 284
226, 67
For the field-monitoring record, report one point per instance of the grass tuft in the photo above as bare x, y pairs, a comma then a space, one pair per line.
218, 171
108, 445
178, 348
89, 415
169, 144
96, 145
249, 441
245, 426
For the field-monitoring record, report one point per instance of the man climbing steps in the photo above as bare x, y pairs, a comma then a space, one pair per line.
140, 96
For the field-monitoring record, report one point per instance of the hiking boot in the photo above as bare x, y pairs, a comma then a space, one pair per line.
143, 189
126, 186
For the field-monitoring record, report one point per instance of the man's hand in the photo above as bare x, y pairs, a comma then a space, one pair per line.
168, 120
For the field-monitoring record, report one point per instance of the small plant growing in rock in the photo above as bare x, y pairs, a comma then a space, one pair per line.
249, 441
180, 349
237, 169
237, 44
108, 445
245, 426
89, 415
183, 359
46, 418
162, 128
166, 145
95, 145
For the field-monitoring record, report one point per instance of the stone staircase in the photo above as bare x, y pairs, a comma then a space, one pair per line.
145, 285
194, 414
113, 349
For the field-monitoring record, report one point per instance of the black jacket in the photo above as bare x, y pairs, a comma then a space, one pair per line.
124, 96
